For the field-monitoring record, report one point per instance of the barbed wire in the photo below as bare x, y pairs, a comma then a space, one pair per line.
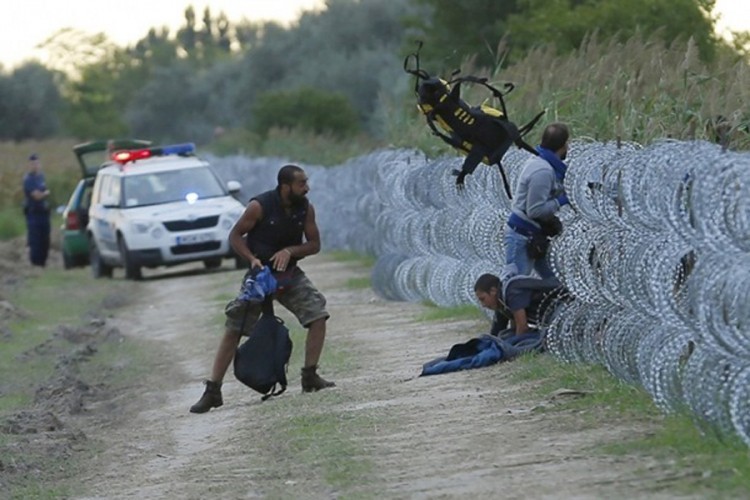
655, 252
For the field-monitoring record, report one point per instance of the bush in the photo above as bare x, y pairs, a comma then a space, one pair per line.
12, 223
309, 109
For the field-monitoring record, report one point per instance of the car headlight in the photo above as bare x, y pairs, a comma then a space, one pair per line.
230, 218
141, 226
146, 226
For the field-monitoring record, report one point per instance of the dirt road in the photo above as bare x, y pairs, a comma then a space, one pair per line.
381, 433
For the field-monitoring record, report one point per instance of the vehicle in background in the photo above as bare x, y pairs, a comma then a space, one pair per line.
160, 206
91, 156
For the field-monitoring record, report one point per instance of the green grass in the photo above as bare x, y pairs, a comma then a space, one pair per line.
435, 313
358, 283
12, 222
28, 357
718, 464
353, 257
325, 442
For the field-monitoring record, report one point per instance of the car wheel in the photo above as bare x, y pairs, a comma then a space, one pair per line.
212, 263
240, 263
98, 268
132, 269
67, 261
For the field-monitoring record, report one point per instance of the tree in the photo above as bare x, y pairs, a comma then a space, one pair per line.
308, 109
452, 31
30, 103
457, 30
565, 23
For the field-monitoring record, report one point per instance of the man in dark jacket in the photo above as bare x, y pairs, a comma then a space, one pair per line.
277, 229
539, 196
36, 209
523, 300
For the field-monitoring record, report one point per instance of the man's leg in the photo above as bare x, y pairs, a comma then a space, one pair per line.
44, 239
224, 355
543, 268
212, 397
308, 306
241, 316
34, 240
517, 260
316, 335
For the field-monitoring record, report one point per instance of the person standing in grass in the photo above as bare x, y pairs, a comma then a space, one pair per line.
36, 209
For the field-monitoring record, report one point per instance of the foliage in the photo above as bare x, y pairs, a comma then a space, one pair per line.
294, 145
58, 164
566, 23
170, 107
12, 224
308, 109
501, 32
29, 103
633, 90
705, 459
454, 30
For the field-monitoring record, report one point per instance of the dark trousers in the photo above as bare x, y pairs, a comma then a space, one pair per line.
37, 236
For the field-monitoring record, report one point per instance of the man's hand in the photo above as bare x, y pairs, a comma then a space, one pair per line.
280, 260
255, 263
460, 176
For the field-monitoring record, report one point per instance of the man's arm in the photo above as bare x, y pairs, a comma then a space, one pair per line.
247, 221
538, 204
520, 320
33, 190
311, 246
499, 323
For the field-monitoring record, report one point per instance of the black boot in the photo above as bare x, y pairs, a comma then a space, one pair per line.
211, 398
312, 382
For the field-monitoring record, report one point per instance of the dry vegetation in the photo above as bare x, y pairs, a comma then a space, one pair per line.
638, 90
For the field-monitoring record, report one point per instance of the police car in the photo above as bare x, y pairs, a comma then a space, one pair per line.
159, 206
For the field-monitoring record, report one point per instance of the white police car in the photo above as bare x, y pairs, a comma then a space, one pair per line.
159, 206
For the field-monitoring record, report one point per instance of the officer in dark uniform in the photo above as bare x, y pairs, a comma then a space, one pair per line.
277, 229
36, 209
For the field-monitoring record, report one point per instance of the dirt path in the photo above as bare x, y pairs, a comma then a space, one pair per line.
381, 433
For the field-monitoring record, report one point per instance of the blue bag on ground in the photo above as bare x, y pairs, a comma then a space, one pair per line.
482, 351
261, 361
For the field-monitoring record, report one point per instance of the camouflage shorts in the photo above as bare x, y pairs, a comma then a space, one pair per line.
300, 297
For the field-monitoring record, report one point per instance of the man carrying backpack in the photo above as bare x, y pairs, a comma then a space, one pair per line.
539, 195
279, 228
524, 300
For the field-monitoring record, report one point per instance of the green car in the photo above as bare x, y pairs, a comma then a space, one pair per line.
91, 156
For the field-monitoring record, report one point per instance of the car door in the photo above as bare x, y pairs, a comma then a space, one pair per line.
103, 214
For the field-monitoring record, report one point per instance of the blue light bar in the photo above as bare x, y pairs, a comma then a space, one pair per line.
178, 149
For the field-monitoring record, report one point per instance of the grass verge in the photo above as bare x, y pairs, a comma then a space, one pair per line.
437, 313
717, 465
36, 355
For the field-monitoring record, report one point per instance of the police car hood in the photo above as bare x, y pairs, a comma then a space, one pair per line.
182, 210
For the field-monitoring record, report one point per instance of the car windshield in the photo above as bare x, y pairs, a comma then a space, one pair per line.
189, 184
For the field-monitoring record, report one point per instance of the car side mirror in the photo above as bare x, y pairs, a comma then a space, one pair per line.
233, 187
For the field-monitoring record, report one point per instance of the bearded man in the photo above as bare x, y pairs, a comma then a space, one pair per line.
277, 229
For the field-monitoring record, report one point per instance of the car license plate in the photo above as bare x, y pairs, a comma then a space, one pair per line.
191, 239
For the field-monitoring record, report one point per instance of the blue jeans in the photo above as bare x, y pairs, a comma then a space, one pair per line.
517, 260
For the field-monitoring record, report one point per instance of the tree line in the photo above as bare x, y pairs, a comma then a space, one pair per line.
329, 72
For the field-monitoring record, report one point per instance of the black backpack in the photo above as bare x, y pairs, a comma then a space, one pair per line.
261, 361
484, 134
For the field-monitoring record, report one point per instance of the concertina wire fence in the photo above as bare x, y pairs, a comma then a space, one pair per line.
655, 252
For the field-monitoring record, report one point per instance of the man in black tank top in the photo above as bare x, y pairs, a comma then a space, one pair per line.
524, 300
277, 229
